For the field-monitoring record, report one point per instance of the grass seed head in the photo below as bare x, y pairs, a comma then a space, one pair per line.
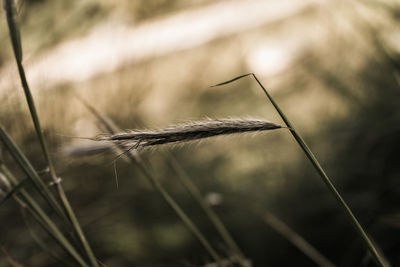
190, 131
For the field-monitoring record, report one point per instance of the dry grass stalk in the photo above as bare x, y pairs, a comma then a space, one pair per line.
191, 131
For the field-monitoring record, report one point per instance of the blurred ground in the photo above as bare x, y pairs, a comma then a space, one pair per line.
332, 66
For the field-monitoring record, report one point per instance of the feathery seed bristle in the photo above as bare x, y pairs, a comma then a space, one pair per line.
190, 131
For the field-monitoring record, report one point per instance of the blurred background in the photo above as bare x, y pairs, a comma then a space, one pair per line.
333, 66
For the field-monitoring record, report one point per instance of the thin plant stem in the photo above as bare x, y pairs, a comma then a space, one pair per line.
297, 240
135, 160
10, 259
178, 210
41, 243
16, 44
28, 169
368, 242
41, 217
32, 174
214, 218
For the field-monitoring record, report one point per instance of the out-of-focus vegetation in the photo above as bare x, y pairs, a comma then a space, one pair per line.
333, 67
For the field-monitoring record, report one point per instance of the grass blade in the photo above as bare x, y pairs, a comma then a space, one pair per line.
178, 210
42, 244
214, 218
13, 28
232, 80
16, 44
28, 169
10, 259
360, 230
28, 202
297, 240
14, 190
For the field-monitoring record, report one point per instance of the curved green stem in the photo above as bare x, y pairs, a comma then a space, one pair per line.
378, 258
370, 245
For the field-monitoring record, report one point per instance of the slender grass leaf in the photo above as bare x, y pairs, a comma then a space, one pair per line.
41, 217
14, 190
211, 214
297, 240
27, 167
232, 80
43, 244
67, 212
341, 202
14, 31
